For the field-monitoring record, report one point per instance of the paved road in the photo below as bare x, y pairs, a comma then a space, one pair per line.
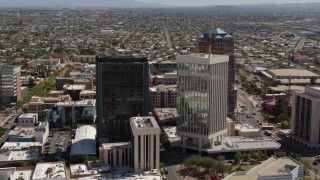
167, 35
171, 159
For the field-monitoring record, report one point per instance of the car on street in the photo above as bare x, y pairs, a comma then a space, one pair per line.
315, 163
317, 156
165, 170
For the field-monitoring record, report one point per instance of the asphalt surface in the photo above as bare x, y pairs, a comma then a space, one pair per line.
52, 149
171, 159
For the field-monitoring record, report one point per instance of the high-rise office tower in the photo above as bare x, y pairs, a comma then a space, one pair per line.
202, 100
10, 85
305, 122
122, 93
222, 43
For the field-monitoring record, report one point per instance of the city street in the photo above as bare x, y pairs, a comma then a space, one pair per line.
247, 112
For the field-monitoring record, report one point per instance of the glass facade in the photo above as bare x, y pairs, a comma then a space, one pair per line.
202, 98
122, 92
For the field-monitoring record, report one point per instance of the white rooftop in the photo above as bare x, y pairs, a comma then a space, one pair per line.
236, 143
86, 102
58, 171
19, 155
26, 174
74, 87
143, 122
28, 115
84, 141
79, 169
19, 145
270, 167
116, 145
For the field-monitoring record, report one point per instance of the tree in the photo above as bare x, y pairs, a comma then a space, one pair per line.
220, 158
280, 154
246, 157
31, 82
36, 160
208, 162
85, 158
237, 157
220, 167
21, 163
194, 160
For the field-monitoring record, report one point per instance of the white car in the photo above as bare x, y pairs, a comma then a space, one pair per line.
317, 156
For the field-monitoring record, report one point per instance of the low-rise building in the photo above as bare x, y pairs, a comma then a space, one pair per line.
84, 142
29, 133
87, 94
84, 58
247, 131
116, 154
166, 79
50, 171
273, 168
165, 115
163, 96
73, 91
29, 119
75, 112
11, 158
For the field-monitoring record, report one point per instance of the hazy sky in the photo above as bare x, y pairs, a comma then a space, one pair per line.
223, 2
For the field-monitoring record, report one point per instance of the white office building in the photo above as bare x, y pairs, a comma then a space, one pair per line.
146, 143
305, 115
202, 100
116, 154
28, 119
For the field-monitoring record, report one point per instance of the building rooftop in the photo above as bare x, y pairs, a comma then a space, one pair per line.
28, 115
166, 114
271, 166
25, 174
246, 127
80, 169
5, 173
116, 145
143, 123
278, 73
74, 87
53, 170
85, 102
216, 31
19, 145
163, 88
84, 141
19, 155
282, 88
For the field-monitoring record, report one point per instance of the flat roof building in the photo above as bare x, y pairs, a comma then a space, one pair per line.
47, 171
75, 112
84, 141
305, 117
10, 85
273, 168
202, 93
122, 92
146, 143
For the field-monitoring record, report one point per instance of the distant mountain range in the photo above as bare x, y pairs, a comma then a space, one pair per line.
77, 3
136, 4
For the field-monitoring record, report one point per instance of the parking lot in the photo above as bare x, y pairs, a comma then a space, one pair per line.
57, 146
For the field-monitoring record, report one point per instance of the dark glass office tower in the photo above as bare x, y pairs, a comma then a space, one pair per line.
122, 93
